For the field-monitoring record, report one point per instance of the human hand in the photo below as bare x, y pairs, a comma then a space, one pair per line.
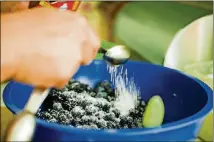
48, 46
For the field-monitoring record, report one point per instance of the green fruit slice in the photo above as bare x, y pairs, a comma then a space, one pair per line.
154, 113
202, 71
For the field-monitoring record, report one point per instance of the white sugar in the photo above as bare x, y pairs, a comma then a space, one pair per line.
125, 89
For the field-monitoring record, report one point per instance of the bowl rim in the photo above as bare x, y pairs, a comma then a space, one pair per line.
135, 131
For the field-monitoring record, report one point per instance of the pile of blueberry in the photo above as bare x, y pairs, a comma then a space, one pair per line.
81, 106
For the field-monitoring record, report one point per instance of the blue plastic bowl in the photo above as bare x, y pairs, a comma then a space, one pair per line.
187, 101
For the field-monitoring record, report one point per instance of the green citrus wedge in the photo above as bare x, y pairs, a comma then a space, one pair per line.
204, 72
154, 113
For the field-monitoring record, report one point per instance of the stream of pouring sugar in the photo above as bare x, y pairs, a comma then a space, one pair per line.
125, 89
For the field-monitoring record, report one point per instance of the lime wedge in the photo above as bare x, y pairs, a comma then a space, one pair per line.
206, 131
154, 113
204, 72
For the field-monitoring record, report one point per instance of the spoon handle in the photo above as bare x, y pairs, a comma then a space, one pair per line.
102, 50
36, 99
23, 126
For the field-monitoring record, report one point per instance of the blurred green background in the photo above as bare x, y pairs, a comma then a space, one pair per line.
149, 27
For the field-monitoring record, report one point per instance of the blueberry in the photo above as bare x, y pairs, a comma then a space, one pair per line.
93, 94
77, 111
110, 91
86, 127
54, 92
139, 112
100, 114
72, 122
101, 102
102, 95
94, 119
132, 113
101, 123
93, 126
38, 114
126, 121
60, 98
105, 84
69, 87
109, 98
123, 121
79, 126
129, 121
52, 120
72, 102
71, 81
85, 119
110, 125
91, 109
143, 103
83, 103
78, 121
46, 115
138, 123
77, 87
116, 112
67, 106
84, 86
65, 112
106, 107
69, 116
54, 113
62, 117
125, 127
117, 122
110, 116
100, 89
75, 84
89, 89
99, 105
66, 122
141, 109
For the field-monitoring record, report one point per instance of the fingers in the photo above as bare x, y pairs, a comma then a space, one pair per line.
91, 44
66, 76
55, 59
94, 38
56, 75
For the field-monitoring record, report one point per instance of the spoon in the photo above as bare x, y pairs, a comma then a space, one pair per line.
23, 126
116, 55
